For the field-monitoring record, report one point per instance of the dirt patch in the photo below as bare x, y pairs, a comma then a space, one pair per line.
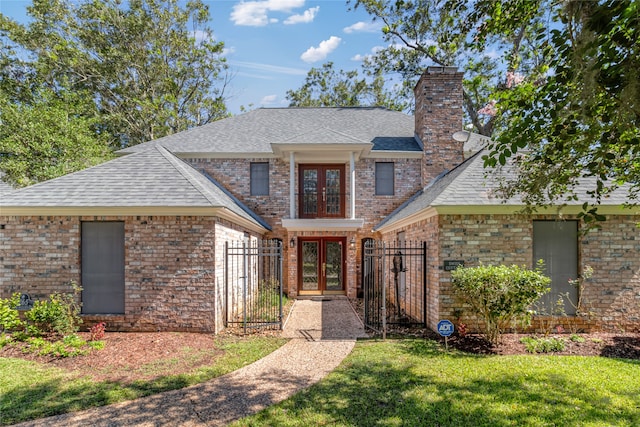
131, 356
624, 345
618, 345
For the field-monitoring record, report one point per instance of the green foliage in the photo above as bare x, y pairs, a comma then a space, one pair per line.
9, 316
454, 33
96, 345
56, 392
59, 315
543, 345
326, 87
499, 294
577, 338
415, 383
143, 68
5, 339
51, 135
69, 346
581, 121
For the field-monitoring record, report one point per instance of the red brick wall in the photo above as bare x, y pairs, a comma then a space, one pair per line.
438, 116
235, 175
38, 255
172, 267
611, 298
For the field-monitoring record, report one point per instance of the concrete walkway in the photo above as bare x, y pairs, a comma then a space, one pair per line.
323, 333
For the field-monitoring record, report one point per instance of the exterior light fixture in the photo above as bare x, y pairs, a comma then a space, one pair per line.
352, 242
292, 242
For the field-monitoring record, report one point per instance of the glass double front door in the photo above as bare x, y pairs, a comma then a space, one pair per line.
321, 265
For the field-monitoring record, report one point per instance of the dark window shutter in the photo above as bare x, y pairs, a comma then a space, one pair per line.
260, 179
384, 179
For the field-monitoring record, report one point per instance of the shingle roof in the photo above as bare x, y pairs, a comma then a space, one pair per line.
255, 131
151, 178
470, 184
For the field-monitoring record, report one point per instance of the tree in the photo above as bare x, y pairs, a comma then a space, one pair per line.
447, 33
326, 87
581, 122
151, 67
555, 81
48, 137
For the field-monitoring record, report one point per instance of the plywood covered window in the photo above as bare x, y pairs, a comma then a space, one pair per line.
103, 267
384, 178
259, 179
556, 243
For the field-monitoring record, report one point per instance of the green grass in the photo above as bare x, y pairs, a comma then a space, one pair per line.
416, 383
30, 391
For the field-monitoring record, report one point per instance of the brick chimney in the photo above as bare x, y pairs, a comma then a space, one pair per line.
438, 116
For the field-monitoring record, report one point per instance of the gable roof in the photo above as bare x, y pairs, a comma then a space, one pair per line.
255, 132
470, 188
152, 182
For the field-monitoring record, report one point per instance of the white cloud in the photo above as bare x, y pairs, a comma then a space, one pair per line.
305, 18
255, 13
363, 27
269, 99
314, 54
228, 51
359, 57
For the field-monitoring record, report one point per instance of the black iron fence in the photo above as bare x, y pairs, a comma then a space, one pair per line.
394, 284
253, 284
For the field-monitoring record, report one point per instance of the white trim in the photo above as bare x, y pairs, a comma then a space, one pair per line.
405, 222
517, 210
239, 155
322, 224
322, 153
292, 192
352, 173
384, 154
432, 211
223, 213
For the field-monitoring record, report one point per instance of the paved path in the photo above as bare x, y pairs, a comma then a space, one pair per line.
323, 333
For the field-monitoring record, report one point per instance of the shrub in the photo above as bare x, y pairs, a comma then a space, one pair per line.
543, 345
59, 315
9, 316
499, 294
96, 332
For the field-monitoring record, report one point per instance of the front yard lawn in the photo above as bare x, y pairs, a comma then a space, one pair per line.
124, 370
415, 383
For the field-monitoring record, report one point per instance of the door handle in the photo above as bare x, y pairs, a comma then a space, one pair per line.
324, 194
324, 269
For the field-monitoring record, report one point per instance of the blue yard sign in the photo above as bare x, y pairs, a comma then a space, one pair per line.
445, 328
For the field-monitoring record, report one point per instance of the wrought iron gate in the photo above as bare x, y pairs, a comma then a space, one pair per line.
394, 284
253, 284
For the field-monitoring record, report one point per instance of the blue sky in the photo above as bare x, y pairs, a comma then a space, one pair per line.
272, 44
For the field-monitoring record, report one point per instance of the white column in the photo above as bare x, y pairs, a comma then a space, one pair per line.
352, 170
292, 185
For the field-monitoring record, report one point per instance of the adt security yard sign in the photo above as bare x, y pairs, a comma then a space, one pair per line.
445, 328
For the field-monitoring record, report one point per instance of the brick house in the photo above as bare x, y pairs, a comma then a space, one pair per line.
322, 180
